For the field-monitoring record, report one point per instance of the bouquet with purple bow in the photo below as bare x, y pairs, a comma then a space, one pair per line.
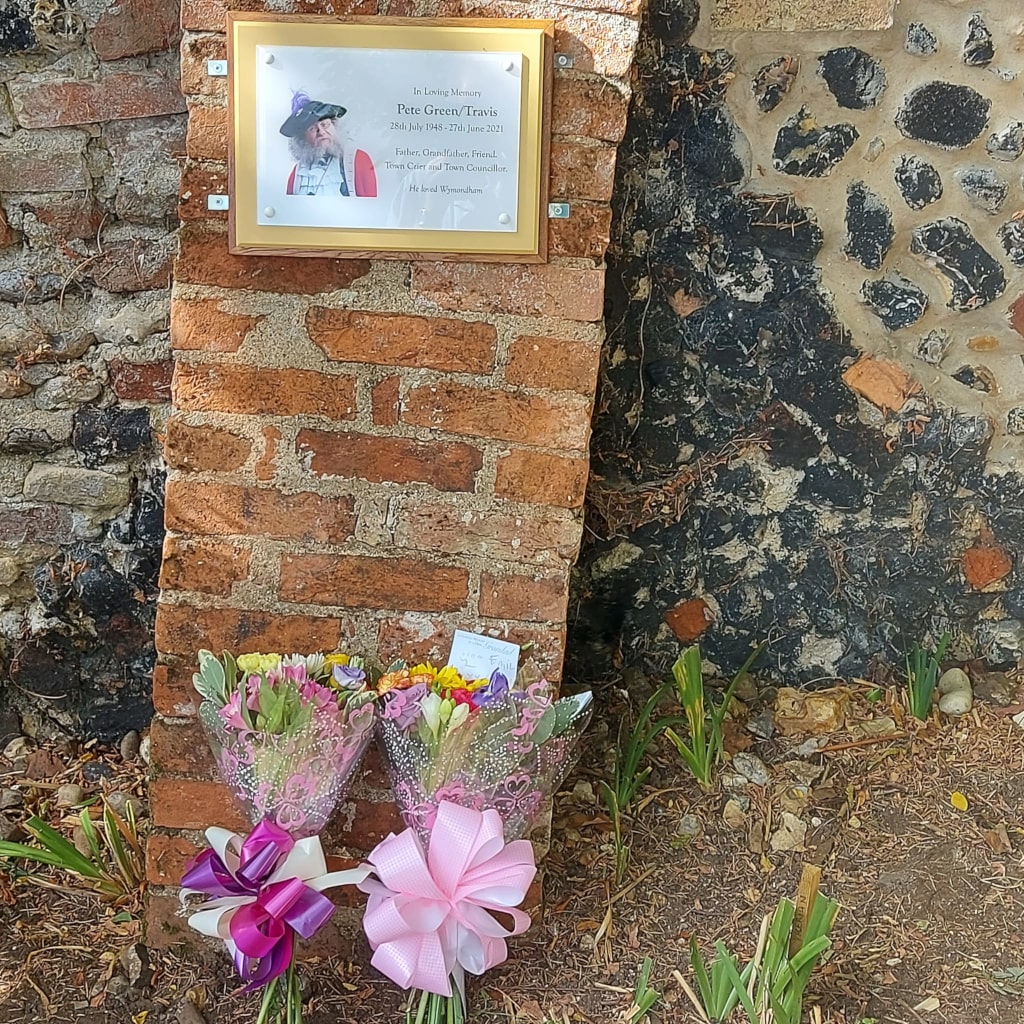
286, 734
472, 763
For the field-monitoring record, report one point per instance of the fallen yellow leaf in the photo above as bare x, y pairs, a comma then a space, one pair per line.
958, 800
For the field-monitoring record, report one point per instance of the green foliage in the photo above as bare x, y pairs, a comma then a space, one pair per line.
644, 997
770, 988
922, 674
114, 866
704, 750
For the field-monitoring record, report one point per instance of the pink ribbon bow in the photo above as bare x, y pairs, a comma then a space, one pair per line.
428, 917
265, 890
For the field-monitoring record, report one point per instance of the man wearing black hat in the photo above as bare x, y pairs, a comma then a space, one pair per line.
325, 165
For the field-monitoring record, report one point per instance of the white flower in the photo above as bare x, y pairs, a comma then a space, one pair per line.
430, 707
313, 663
458, 715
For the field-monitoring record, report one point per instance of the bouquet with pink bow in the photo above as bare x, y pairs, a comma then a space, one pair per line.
287, 734
473, 763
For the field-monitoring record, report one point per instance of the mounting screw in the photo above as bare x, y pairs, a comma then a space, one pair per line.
564, 60
217, 68
558, 211
218, 203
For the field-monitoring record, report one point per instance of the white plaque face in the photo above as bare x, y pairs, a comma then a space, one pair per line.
421, 140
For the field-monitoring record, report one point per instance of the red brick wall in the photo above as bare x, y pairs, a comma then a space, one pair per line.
375, 453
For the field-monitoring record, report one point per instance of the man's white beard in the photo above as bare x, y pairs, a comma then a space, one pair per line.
310, 153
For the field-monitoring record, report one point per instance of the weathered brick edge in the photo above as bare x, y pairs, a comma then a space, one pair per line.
373, 453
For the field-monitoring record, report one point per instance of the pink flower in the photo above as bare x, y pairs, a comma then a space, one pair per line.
231, 713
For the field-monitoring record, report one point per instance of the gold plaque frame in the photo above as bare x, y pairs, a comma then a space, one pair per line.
524, 240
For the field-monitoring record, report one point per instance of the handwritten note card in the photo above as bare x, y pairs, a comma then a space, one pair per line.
476, 656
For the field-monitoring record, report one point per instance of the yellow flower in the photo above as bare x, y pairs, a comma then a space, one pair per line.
250, 663
476, 684
449, 678
336, 659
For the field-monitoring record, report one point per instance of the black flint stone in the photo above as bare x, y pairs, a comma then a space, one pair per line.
17, 286
983, 187
809, 150
973, 275
148, 519
773, 81
16, 33
854, 77
776, 224
27, 441
978, 47
711, 147
896, 301
1007, 144
921, 41
1015, 425
975, 378
869, 230
101, 434
1011, 235
919, 183
944, 114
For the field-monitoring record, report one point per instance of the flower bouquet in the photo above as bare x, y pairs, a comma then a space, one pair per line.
286, 734
472, 763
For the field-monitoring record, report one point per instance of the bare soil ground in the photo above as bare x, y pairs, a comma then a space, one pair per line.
931, 926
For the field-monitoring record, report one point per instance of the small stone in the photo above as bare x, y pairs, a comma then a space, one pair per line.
876, 147
20, 746
869, 229
118, 986
27, 441
943, 114
130, 746
144, 750
1007, 144
43, 764
733, 782
820, 712
932, 348
921, 41
19, 287
81, 841
958, 703
795, 799
135, 963
583, 793
188, 1014
980, 378
733, 814
855, 78
72, 485
790, 835
773, 81
895, 300
96, 771
66, 393
69, 795
10, 799
973, 277
751, 767
995, 688
10, 829
983, 187
102, 434
919, 183
120, 802
805, 148
1011, 237
688, 826
1015, 420
978, 47
953, 680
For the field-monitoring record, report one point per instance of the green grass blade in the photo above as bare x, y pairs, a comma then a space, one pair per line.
91, 838
18, 851
70, 858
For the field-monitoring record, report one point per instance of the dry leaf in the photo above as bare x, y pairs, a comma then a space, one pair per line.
927, 1005
958, 800
997, 839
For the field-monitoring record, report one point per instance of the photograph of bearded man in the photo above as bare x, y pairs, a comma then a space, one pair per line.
326, 161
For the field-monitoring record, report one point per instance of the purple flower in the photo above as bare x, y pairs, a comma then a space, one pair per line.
348, 677
403, 706
494, 692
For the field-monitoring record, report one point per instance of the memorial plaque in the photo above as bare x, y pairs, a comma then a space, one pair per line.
391, 137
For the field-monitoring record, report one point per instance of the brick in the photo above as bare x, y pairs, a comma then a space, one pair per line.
585, 234
582, 172
401, 460
8, 236
141, 382
689, 619
195, 804
165, 923
180, 749
556, 364
544, 290
210, 15
203, 258
136, 26
494, 534
69, 217
201, 325
534, 598
556, 421
203, 448
592, 107
51, 102
882, 382
167, 856
205, 566
355, 581
362, 824
1016, 314
33, 161
542, 479
196, 50
134, 264
384, 401
986, 563
173, 693
197, 182
436, 343
598, 42
262, 391
183, 630
207, 137
218, 510
266, 467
